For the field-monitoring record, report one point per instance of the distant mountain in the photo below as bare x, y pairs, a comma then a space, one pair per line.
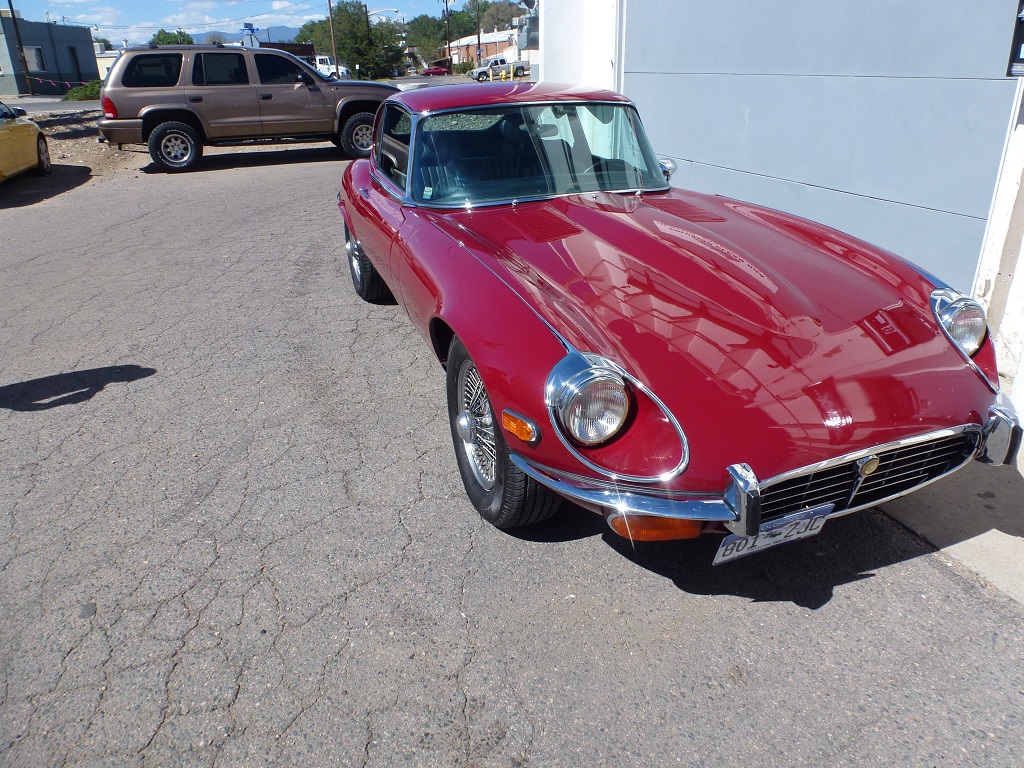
277, 35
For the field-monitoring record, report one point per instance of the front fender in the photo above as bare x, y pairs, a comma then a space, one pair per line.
450, 288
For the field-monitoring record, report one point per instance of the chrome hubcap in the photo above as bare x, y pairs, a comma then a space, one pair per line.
475, 425
362, 136
44, 156
175, 148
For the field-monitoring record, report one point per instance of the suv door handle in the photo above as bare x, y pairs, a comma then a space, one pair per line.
266, 96
195, 99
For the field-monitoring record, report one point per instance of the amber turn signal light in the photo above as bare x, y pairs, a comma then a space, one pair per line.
520, 426
648, 528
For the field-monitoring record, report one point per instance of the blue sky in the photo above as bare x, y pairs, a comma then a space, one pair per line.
137, 21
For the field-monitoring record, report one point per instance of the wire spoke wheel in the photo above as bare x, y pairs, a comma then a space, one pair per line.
476, 425
499, 490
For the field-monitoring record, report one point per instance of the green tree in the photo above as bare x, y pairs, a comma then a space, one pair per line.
107, 45
177, 37
500, 15
463, 24
426, 34
214, 37
372, 43
318, 33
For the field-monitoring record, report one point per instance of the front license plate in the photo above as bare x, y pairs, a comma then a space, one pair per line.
801, 525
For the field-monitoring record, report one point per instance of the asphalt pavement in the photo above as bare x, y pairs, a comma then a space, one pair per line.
233, 533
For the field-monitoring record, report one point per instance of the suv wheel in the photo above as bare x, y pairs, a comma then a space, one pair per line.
357, 135
175, 146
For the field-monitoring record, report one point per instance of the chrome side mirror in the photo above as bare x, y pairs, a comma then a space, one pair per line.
668, 167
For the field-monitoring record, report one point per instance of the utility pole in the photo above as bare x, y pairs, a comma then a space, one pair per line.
334, 43
448, 32
21, 46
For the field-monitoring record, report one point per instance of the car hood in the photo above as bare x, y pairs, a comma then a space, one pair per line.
751, 325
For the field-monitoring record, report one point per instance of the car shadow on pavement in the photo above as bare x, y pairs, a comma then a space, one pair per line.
264, 156
67, 388
29, 189
805, 573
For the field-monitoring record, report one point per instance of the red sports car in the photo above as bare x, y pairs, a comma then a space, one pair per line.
678, 362
429, 71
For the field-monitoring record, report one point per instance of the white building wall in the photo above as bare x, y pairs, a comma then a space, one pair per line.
578, 42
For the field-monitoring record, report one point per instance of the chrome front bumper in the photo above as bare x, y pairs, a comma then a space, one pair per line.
739, 507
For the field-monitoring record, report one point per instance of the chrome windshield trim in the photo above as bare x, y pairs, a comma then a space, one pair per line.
420, 116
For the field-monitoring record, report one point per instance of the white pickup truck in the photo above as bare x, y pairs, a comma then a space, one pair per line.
493, 68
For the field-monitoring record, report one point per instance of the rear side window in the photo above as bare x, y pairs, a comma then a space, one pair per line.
276, 70
152, 70
219, 69
393, 147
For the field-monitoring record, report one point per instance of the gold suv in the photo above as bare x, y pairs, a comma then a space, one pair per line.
179, 98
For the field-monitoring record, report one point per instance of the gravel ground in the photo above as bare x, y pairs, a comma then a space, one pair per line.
74, 140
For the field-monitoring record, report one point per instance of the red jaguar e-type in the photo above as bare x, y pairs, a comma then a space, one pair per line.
675, 361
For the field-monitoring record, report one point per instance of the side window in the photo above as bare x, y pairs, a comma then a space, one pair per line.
393, 145
152, 70
219, 69
276, 70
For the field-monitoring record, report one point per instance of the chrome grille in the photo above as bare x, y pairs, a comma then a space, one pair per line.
900, 470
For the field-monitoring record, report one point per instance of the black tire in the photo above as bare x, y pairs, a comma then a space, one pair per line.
175, 146
501, 492
369, 285
357, 135
43, 163
520, 71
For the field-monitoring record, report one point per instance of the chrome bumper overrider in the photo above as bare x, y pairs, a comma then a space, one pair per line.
739, 507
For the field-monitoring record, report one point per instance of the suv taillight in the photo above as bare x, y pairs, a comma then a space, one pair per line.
109, 110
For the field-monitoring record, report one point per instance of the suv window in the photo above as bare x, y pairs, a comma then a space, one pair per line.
276, 70
152, 70
219, 69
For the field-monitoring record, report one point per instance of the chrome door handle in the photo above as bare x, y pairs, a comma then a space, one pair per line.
364, 193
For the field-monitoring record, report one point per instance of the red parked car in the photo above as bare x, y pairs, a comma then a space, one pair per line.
679, 362
429, 71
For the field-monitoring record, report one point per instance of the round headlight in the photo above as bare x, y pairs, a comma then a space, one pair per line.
964, 323
593, 406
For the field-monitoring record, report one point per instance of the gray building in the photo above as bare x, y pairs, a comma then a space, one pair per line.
59, 57
895, 122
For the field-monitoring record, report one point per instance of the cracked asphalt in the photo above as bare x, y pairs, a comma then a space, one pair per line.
232, 533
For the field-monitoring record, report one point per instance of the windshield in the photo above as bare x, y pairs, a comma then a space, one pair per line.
521, 152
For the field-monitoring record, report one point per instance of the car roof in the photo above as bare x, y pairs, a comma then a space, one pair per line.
441, 98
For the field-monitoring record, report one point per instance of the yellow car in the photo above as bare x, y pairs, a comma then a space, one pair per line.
22, 144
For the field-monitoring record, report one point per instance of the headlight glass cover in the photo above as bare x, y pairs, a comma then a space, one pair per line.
962, 319
593, 406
